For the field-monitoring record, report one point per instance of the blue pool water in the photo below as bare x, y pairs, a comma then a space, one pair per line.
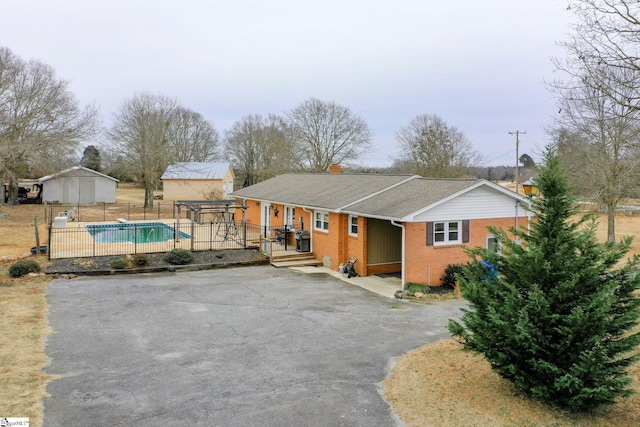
148, 232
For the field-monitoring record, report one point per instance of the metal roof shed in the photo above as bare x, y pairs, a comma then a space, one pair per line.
79, 185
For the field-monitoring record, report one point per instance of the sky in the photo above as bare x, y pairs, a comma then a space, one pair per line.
479, 65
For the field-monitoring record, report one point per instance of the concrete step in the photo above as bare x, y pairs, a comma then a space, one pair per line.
294, 259
296, 263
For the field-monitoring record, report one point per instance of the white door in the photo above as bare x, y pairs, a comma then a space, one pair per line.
290, 217
265, 218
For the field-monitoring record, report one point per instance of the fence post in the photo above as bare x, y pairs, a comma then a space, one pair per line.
128, 211
104, 211
192, 231
244, 226
49, 239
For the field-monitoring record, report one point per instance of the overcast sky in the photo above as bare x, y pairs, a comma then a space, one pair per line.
479, 65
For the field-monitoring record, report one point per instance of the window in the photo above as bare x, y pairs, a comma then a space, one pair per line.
322, 220
290, 216
353, 225
447, 232
493, 244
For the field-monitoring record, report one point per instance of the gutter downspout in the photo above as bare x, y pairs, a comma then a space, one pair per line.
393, 222
310, 228
517, 241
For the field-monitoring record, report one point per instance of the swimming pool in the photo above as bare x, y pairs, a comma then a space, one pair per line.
148, 232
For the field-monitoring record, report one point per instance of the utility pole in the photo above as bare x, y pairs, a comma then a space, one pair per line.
517, 133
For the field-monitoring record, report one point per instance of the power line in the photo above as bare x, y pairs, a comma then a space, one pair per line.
517, 133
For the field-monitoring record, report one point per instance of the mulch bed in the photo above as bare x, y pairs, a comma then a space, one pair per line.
155, 262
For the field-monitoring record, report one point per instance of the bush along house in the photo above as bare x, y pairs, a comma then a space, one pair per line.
390, 223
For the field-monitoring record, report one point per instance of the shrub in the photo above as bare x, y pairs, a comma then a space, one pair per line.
119, 264
449, 278
22, 267
140, 259
178, 256
411, 288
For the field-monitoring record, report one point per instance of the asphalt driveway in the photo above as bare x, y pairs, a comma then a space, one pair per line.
250, 346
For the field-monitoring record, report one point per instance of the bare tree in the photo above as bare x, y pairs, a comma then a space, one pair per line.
598, 140
141, 132
193, 139
40, 120
153, 131
436, 149
605, 36
115, 165
259, 147
326, 133
600, 100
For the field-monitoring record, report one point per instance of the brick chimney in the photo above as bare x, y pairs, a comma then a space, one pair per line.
335, 169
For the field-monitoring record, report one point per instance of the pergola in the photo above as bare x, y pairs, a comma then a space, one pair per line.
224, 207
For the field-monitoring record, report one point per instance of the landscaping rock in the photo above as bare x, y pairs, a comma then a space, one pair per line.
155, 262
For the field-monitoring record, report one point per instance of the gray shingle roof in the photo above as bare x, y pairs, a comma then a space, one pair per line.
318, 190
382, 196
409, 197
196, 170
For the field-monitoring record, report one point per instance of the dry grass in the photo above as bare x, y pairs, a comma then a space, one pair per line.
22, 359
442, 385
129, 193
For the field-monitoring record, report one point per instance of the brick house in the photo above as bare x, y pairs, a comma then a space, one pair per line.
390, 223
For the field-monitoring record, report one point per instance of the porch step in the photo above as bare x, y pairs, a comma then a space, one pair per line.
295, 260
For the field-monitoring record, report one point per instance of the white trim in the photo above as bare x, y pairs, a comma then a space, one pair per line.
498, 242
289, 216
483, 183
445, 232
265, 214
322, 220
75, 168
349, 225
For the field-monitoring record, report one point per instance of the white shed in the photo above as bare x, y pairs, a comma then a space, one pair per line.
79, 185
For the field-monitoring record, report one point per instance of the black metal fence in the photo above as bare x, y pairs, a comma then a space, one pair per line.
109, 211
70, 239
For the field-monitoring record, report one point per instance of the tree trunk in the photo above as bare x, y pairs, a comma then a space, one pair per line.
611, 222
12, 190
148, 197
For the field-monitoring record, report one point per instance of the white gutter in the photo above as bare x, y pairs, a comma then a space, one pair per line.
403, 250
310, 228
517, 241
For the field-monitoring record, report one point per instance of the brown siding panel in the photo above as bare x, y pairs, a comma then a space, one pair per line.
384, 242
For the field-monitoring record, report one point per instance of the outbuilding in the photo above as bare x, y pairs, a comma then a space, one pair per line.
79, 185
197, 181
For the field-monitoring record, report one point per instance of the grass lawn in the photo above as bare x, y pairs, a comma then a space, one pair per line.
24, 327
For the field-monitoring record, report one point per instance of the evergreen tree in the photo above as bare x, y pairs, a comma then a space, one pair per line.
554, 312
91, 158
